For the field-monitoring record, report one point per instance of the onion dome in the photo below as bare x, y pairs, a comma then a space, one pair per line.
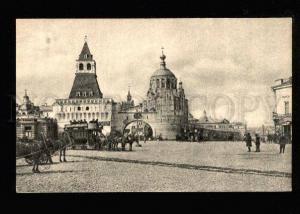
163, 70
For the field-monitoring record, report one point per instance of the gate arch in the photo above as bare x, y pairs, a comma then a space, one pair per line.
135, 121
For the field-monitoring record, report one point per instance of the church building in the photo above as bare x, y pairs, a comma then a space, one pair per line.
165, 108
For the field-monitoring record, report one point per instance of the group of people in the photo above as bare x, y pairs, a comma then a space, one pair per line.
281, 139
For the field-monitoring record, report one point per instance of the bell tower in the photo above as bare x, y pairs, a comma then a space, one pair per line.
85, 84
85, 62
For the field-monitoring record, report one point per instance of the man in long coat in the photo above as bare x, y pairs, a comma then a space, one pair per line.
248, 141
282, 141
257, 142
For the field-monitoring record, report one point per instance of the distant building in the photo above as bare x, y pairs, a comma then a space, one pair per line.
46, 110
85, 102
282, 115
128, 104
209, 128
27, 108
30, 123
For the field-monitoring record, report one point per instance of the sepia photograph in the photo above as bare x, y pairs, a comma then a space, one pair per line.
153, 105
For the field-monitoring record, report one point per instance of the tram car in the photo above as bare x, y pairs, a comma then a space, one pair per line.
205, 134
86, 135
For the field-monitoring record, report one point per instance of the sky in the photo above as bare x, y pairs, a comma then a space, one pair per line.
227, 66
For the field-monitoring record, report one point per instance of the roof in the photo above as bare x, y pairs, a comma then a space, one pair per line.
284, 82
212, 120
163, 72
85, 82
85, 51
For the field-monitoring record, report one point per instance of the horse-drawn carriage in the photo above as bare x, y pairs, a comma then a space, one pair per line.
39, 151
86, 135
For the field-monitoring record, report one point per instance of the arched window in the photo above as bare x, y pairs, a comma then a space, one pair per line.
168, 83
157, 83
80, 66
163, 83
88, 66
174, 84
87, 108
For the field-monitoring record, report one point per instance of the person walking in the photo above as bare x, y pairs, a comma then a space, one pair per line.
282, 141
257, 142
248, 141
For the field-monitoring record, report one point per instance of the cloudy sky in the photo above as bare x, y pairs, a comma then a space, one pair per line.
227, 66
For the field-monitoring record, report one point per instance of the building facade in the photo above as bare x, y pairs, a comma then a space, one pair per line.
85, 102
208, 128
165, 108
282, 114
30, 122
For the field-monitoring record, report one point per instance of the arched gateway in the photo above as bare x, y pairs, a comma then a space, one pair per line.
140, 128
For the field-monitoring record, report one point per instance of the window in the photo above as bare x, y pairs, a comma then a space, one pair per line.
78, 94
286, 107
168, 83
78, 108
87, 108
88, 66
84, 94
174, 84
91, 93
80, 66
27, 128
157, 83
163, 83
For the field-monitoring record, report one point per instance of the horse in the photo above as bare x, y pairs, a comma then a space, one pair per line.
129, 139
114, 138
36, 149
61, 145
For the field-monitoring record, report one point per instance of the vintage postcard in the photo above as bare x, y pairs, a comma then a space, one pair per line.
154, 105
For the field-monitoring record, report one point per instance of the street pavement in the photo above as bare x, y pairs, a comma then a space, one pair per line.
164, 167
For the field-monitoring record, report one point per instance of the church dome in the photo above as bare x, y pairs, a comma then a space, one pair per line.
163, 70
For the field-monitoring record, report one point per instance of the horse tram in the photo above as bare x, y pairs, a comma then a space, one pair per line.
86, 135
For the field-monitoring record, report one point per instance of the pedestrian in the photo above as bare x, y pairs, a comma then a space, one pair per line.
257, 142
48, 152
282, 141
248, 141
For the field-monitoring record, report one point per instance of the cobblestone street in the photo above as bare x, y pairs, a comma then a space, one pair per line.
164, 166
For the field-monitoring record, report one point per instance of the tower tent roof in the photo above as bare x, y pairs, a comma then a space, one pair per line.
85, 52
85, 83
